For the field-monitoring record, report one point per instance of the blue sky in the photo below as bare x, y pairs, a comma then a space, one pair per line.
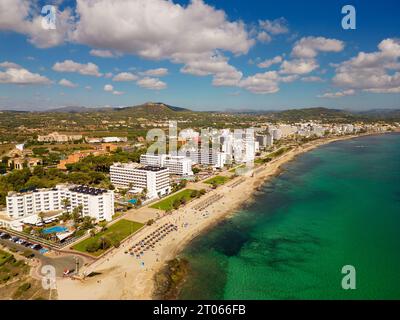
203, 55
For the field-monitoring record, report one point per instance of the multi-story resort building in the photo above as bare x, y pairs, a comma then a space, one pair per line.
23, 207
178, 165
265, 140
153, 179
56, 137
206, 157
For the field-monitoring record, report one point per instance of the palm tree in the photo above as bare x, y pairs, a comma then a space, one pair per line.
77, 212
66, 203
41, 216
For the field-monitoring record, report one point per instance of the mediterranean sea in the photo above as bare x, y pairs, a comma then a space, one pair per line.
334, 206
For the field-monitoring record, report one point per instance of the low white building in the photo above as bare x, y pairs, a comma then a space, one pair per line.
178, 165
96, 203
132, 175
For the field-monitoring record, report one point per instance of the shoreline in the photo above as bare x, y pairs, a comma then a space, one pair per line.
125, 277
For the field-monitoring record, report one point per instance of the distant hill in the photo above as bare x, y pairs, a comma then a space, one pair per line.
381, 114
77, 109
152, 108
311, 114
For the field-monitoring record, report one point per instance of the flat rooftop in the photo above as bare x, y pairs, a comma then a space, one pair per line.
88, 190
151, 168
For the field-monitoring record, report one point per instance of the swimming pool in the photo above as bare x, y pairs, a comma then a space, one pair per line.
54, 229
133, 201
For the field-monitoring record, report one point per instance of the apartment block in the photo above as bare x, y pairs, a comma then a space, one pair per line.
153, 179
96, 203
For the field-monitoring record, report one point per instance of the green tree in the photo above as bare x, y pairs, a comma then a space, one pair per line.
66, 203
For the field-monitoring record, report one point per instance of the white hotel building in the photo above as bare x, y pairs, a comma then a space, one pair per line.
178, 165
96, 203
154, 179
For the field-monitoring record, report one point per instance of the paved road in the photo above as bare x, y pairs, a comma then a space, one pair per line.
60, 263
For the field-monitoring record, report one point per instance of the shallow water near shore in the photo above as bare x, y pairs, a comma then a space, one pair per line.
336, 205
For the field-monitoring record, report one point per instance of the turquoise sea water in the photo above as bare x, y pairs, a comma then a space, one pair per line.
334, 206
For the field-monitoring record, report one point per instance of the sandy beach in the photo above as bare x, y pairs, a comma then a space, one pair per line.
123, 276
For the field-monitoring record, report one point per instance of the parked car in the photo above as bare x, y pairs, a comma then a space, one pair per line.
14, 239
20, 241
5, 236
36, 247
27, 244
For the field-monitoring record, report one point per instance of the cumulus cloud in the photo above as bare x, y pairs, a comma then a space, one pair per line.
153, 29
88, 69
166, 33
277, 26
269, 62
152, 83
376, 72
67, 83
7, 64
305, 52
264, 37
110, 88
298, 66
312, 79
216, 65
265, 83
269, 28
23, 16
309, 47
15, 74
125, 76
159, 72
338, 94
103, 53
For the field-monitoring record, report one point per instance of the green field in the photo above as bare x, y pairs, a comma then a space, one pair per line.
218, 180
168, 203
114, 234
4, 257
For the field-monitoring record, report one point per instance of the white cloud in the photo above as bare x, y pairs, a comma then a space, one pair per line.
102, 53
152, 83
125, 76
309, 47
108, 88
7, 64
88, 69
382, 90
158, 29
265, 83
338, 94
15, 74
152, 29
67, 83
376, 72
261, 83
264, 37
298, 66
159, 72
312, 79
269, 62
216, 65
277, 26
23, 16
